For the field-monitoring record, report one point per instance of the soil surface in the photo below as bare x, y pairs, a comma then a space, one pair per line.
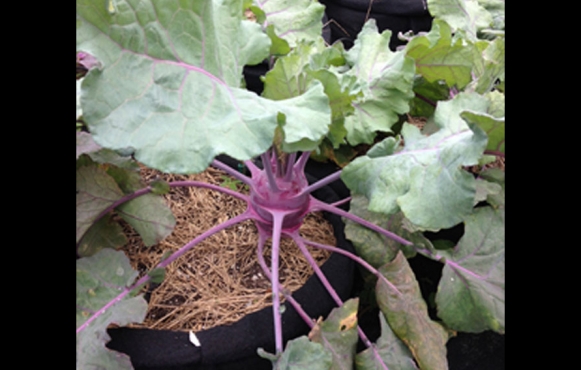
218, 281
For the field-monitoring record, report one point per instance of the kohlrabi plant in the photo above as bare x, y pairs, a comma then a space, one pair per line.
165, 87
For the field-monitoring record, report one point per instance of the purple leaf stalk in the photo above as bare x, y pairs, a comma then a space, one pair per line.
280, 198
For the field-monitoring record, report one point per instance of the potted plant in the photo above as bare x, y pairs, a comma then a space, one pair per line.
165, 87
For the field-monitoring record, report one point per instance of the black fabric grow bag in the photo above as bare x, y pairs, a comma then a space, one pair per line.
395, 15
234, 346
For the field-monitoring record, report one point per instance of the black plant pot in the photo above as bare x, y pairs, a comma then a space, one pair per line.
234, 346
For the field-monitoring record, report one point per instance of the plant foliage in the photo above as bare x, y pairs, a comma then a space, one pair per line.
165, 88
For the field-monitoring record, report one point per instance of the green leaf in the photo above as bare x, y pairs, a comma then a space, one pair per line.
407, 315
105, 233
437, 57
393, 352
294, 20
278, 46
425, 179
495, 175
157, 275
148, 214
86, 144
159, 187
466, 15
494, 128
338, 334
470, 295
375, 248
493, 66
385, 81
301, 354
100, 278
96, 191
484, 189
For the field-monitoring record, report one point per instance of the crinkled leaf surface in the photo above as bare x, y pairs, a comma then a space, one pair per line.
148, 214
168, 87
302, 354
338, 334
438, 57
375, 248
470, 295
466, 15
96, 191
424, 179
385, 79
392, 352
492, 67
105, 233
100, 278
494, 128
294, 20
407, 315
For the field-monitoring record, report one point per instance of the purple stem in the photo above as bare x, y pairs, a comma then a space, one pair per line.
322, 182
340, 202
302, 162
266, 163
494, 152
355, 258
421, 97
173, 184
318, 205
299, 241
277, 219
289, 166
284, 291
232, 172
240, 218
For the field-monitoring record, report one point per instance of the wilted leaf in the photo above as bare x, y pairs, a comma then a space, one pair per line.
375, 248
338, 334
470, 295
407, 315
393, 353
100, 278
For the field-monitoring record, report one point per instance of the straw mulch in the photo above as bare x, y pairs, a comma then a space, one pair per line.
218, 281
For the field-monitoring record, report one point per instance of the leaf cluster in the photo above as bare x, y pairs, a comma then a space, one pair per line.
165, 88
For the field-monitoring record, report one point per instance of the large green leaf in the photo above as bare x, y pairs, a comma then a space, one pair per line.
393, 353
101, 278
338, 334
424, 179
294, 20
407, 315
385, 80
470, 295
168, 87
466, 15
438, 57
96, 191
